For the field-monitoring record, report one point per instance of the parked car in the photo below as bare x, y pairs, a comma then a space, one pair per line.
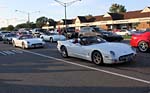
70, 31
89, 31
97, 50
124, 32
1, 37
37, 32
141, 41
7, 38
27, 41
2, 33
24, 32
52, 37
110, 36
137, 32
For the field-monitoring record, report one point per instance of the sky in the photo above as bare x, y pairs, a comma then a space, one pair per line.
52, 9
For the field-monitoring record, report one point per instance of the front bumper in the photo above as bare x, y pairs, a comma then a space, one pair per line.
121, 59
36, 45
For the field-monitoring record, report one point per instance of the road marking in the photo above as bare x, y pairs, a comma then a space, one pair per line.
17, 51
10, 52
84, 66
3, 53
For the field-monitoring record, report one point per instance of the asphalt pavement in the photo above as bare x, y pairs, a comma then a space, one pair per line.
44, 70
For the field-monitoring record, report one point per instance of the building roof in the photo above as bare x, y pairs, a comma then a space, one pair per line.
82, 19
111, 16
136, 14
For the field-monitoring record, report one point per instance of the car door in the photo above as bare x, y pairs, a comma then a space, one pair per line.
78, 50
19, 41
46, 37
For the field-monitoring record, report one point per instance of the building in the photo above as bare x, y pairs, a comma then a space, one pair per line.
139, 19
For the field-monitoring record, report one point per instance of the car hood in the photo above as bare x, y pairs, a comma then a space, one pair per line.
59, 36
34, 40
118, 48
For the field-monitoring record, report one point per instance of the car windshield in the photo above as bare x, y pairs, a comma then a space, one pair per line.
53, 34
11, 35
106, 32
92, 40
26, 37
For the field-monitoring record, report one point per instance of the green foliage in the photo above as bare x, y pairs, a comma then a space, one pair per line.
40, 22
116, 8
10, 28
4, 28
52, 22
26, 25
127, 37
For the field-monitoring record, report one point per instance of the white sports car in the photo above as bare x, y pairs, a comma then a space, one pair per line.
97, 50
52, 37
27, 41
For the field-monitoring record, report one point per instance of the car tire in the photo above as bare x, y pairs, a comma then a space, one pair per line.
13, 43
23, 45
97, 58
64, 52
51, 40
143, 46
8, 42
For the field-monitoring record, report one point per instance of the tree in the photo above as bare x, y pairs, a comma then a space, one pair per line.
52, 22
10, 28
23, 25
3, 28
26, 25
116, 8
40, 22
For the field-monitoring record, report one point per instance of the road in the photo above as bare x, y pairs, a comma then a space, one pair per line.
43, 70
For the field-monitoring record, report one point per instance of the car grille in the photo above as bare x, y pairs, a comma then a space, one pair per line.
128, 57
37, 44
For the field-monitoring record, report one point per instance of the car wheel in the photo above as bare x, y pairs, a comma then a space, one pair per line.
8, 42
97, 58
13, 43
143, 46
23, 46
64, 52
51, 40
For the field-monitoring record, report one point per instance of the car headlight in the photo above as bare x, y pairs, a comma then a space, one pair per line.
28, 42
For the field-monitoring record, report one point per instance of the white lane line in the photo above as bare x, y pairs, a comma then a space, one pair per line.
17, 51
3, 53
100, 70
8, 52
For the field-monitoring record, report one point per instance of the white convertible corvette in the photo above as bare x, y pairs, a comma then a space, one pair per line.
52, 37
97, 50
27, 41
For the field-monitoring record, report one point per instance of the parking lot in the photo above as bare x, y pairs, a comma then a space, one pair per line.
44, 70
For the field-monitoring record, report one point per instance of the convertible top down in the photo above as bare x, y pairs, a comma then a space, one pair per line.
97, 50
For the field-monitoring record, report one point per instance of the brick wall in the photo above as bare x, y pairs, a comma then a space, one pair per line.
103, 27
143, 25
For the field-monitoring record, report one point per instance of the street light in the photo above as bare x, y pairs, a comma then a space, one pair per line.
28, 13
65, 4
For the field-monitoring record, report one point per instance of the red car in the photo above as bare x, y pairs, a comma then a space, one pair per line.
141, 41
